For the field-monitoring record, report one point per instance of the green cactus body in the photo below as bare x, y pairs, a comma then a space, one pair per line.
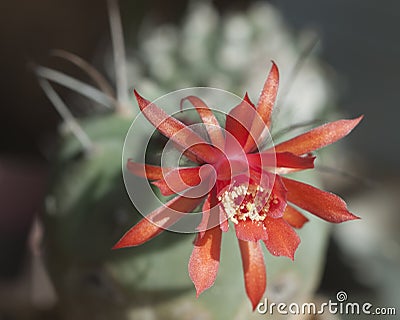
88, 209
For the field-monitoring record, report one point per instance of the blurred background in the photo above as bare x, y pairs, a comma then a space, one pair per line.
351, 44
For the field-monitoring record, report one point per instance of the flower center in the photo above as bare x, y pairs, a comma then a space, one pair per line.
247, 202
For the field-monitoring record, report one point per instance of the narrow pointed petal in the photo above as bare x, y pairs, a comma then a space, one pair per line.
282, 239
289, 160
204, 261
325, 205
202, 227
268, 95
255, 278
281, 160
147, 171
178, 180
250, 231
177, 131
239, 120
294, 217
211, 214
207, 116
248, 101
318, 137
157, 221
265, 106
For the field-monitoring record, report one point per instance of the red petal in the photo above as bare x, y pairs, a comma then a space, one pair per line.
239, 120
282, 239
294, 217
178, 180
256, 176
207, 116
164, 216
204, 261
255, 278
268, 95
318, 137
187, 153
277, 201
211, 213
203, 225
247, 99
281, 159
177, 131
289, 160
264, 107
147, 171
250, 231
325, 205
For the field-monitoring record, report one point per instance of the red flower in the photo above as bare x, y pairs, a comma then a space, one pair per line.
248, 189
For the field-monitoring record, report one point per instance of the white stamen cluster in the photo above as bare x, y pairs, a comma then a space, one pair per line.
244, 202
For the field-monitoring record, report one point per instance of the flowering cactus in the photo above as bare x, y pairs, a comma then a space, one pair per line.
87, 208
243, 190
